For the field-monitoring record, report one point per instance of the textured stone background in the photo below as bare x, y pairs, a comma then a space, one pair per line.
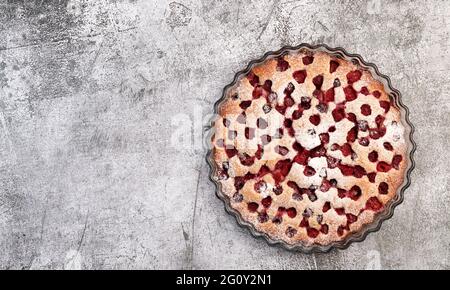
88, 175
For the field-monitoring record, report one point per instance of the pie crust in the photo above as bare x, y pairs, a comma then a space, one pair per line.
309, 147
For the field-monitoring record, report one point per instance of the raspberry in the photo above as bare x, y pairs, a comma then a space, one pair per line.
299, 76
291, 212
307, 60
245, 104
318, 81
350, 93
383, 188
385, 105
353, 76
314, 119
252, 206
282, 64
373, 204
333, 66
266, 202
366, 110
396, 161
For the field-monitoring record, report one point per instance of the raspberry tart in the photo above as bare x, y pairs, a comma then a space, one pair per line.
309, 147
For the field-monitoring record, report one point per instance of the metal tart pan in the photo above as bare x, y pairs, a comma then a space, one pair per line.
388, 211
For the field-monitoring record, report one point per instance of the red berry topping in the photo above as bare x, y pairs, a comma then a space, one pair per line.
259, 91
324, 138
377, 133
325, 186
329, 95
364, 141
383, 188
340, 230
267, 86
307, 60
350, 93
304, 223
379, 120
352, 134
288, 101
332, 162
388, 146
318, 81
278, 219
291, 232
371, 176
282, 169
263, 171
302, 157
246, 159
373, 156
383, 166
324, 229
326, 207
340, 211
266, 202
297, 146
263, 217
281, 109
289, 89
259, 152
299, 76
353, 76
252, 206
351, 117
396, 161
366, 110
309, 171
291, 212
253, 79
305, 103
354, 192
282, 64
351, 218
346, 149
365, 91
319, 95
376, 94
346, 170
315, 119
385, 105
312, 232
245, 104
333, 66
287, 123
297, 114
373, 204
281, 150
231, 151
359, 171
338, 114
278, 189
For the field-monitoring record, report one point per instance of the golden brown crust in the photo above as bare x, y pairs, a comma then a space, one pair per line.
247, 154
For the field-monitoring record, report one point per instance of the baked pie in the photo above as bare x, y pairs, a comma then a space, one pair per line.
308, 147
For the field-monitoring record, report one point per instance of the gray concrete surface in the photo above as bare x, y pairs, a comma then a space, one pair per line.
89, 178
